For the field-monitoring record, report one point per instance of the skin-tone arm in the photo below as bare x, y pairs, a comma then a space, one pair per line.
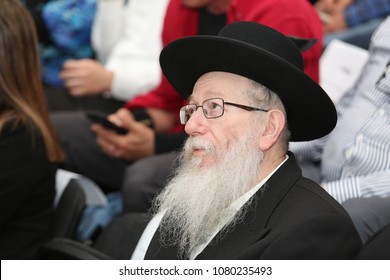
86, 77
139, 142
335, 10
335, 23
215, 7
331, 6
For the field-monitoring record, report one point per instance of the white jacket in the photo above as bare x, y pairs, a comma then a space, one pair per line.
127, 41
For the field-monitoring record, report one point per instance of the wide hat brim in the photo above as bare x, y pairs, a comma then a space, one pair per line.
310, 112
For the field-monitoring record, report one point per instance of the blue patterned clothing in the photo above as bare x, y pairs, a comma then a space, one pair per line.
69, 24
365, 10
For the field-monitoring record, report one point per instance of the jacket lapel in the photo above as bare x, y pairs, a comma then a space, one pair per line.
252, 228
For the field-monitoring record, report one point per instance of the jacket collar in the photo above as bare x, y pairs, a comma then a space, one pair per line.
252, 228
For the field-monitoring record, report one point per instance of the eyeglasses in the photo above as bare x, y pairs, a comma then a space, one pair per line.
212, 108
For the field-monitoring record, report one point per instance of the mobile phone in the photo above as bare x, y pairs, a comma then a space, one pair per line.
101, 118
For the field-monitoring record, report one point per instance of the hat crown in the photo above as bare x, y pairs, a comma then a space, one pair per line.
259, 53
261, 36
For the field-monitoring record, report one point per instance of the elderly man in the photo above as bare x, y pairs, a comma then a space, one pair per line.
239, 193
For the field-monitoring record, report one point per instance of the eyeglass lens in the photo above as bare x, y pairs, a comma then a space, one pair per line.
212, 108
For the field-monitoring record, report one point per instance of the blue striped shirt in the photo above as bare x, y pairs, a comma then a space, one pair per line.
355, 156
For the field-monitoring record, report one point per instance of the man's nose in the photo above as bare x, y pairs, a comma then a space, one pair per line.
197, 123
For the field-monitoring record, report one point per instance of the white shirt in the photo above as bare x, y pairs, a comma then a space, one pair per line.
151, 228
127, 41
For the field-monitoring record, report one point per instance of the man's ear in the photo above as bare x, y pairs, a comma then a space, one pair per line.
273, 126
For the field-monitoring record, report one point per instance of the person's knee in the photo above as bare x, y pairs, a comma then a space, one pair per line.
135, 187
368, 214
144, 179
65, 122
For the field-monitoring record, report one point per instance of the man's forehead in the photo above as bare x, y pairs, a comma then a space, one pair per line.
218, 84
208, 94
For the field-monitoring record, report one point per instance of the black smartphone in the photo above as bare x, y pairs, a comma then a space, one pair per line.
101, 118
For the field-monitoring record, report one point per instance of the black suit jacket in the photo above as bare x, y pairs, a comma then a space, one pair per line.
291, 217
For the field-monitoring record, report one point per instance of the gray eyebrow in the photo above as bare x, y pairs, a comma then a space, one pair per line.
209, 94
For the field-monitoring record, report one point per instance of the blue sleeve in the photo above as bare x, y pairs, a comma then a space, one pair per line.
365, 10
69, 22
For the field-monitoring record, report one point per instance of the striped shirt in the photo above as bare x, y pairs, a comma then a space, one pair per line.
355, 156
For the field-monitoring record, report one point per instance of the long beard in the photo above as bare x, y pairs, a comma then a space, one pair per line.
196, 196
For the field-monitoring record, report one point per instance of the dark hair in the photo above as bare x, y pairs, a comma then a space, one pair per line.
21, 91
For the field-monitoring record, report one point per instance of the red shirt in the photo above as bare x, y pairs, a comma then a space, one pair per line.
296, 18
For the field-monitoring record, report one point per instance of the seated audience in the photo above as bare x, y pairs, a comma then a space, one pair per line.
104, 155
29, 150
238, 192
64, 32
352, 21
355, 158
125, 38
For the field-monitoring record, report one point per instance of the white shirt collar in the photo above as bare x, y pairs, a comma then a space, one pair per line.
232, 210
150, 230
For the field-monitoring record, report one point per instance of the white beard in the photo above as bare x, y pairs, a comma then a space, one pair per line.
196, 196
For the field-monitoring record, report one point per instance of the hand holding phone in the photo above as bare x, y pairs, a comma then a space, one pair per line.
102, 118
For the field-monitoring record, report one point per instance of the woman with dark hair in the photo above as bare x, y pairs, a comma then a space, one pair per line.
29, 150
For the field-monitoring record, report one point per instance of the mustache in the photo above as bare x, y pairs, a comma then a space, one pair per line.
198, 143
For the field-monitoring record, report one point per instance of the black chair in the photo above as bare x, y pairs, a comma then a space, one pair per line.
69, 211
377, 247
67, 249
117, 242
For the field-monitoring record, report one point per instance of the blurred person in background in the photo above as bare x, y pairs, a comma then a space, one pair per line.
352, 21
103, 155
107, 158
98, 54
126, 39
29, 150
353, 162
64, 32
239, 193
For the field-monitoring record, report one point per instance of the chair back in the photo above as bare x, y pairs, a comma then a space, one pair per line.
69, 210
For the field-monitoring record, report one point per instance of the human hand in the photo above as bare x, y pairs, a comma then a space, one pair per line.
136, 144
162, 119
336, 22
332, 6
85, 77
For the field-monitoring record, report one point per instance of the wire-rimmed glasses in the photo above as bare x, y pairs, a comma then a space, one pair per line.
212, 108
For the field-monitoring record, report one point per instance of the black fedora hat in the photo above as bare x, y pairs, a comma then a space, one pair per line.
259, 53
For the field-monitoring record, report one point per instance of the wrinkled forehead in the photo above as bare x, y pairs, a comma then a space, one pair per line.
220, 84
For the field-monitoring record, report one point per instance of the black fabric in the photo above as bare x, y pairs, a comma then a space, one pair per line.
117, 241
59, 99
69, 211
152, 174
210, 24
42, 31
166, 142
121, 237
27, 191
142, 116
68, 249
261, 54
34, 4
377, 247
290, 217
83, 155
